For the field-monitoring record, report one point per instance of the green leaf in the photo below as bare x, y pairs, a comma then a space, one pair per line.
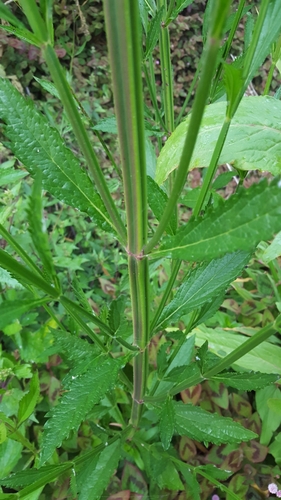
25, 275
223, 179
7, 15
41, 476
6, 279
253, 141
274, 249
10, 453
82, 394
202, 285
96, 474
274, 405
269, 33
240, 223
190, 479
234, 84
167, 423
153, 32
266, 357
157, 200
40, 147
48, 86
11, 310
108, 125
180, 5
201, 425
11, 176
23, 34
39, 236
28, 402
184, 355
246, 381
270, 419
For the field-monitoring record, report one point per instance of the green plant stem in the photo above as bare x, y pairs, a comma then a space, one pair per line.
82, 137
166, 295
227, 47
212, 167
275, 58
124, 44
247, 71
166, 72
152, 92
210, 60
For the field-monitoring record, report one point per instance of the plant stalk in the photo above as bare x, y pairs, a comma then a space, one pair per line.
124, 44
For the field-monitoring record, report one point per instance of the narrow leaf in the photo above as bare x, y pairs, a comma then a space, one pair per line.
153, 32
11, 310
23, 34
40, 147
240, 223
202, 285
28, 402
45, 475
25, 275
247, 381
256, 122
39, 236
167, 423
7, 15
274, 249
96, 474
11, 176
85, 391
201, 425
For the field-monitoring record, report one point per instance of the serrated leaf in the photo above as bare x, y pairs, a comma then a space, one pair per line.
96, 474
6, 279
85, 391
208, 310
252, 143
48, 86
180, 5
28, 402
116, 313
198, 424
23, 34
240, 223
247, 381
157, 200
11, 310
167, 423
44, 475
153, 32
108, 125
202, 285
266, 357
40, 147
38, 235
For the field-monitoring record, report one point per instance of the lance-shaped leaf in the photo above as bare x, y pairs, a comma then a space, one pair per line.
253, 141
38, 477
202, 285
240, 223
167, 423
83, 392
198, 424
39, 236
247, 381
96, 473
39, 147
29, 400
157, 200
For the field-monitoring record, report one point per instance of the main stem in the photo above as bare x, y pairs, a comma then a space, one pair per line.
124, 43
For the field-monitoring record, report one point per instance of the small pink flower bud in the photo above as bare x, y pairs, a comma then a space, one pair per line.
215, 497
278, 494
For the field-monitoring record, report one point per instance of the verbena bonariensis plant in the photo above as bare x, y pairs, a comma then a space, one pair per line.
217, 242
